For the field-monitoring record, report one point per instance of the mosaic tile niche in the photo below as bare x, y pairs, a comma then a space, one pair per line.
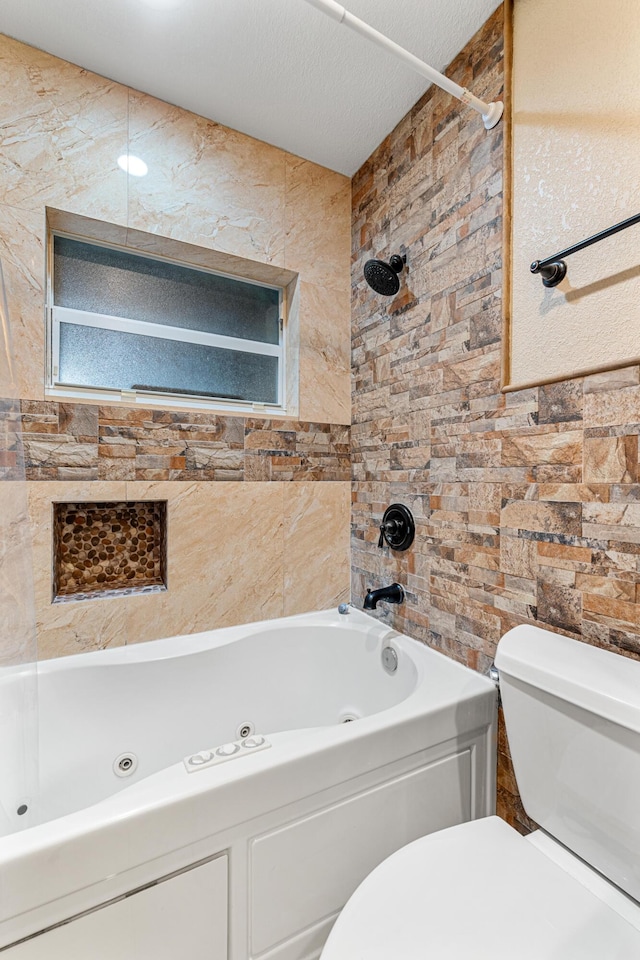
108, 549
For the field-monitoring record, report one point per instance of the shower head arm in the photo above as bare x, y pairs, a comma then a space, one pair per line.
491, 112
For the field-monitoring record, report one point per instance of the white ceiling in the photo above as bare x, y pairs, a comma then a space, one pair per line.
278, 70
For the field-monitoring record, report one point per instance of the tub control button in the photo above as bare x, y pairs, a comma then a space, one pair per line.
252, 742
228, 751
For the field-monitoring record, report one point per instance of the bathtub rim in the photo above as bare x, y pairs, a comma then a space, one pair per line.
287, 741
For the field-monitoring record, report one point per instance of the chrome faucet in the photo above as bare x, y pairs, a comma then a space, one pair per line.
394, 593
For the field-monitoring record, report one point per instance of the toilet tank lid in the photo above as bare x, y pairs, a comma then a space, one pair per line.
604, 683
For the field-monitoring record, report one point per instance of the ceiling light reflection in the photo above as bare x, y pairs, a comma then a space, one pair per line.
133, 165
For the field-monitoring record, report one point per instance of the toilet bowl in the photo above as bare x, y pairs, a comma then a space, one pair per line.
568, 891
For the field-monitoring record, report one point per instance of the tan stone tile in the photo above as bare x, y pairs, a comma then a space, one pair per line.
606, 587
207, 185
611, 459
545, 448
518, 556
117, 450
560, 402
224, 558
612, 408
325, 357
559, 575
619, 611
559, 605
478, 558
202, 457
545, 517
316, 546
257, 467
124, 415
485, 497
58, 450
22, 257
474, 370
72, 473
79, 420
563, 556
612, 521
624, 492
318, 224
116, 468
270, 440
623, 560
565, 551
63, 131
574, 492
612, 380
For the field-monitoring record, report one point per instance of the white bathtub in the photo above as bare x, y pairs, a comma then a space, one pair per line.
257, 853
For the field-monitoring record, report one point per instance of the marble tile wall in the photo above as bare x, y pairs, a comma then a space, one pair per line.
527, 504
62, 130
237, 551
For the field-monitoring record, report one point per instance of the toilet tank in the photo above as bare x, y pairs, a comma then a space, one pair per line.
572, 713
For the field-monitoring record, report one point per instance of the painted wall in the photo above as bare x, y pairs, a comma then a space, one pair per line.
576, 171
62, 130
527, 504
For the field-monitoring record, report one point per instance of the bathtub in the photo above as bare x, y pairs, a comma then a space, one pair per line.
144, 840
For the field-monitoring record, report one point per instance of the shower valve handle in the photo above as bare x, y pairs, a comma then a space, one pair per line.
389, 527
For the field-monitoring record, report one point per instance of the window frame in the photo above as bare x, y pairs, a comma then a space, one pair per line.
55, 315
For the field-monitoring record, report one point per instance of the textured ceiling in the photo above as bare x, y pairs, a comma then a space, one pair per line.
278, 70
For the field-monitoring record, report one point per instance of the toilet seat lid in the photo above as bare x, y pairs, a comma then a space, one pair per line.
480, 891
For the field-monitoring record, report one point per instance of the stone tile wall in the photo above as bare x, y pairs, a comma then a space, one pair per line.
527, 504
73, 441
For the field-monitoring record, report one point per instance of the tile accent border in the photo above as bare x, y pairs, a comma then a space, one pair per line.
49, 440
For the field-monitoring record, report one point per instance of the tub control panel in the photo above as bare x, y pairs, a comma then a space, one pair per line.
227, 751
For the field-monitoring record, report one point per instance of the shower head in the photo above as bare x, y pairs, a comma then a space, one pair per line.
383, 277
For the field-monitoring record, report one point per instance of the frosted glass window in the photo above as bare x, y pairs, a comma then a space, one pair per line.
123, 284
125, 321
126, 361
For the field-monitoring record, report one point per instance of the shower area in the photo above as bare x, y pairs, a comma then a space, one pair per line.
18, 647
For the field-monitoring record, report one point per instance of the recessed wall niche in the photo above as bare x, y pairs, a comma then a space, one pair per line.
108, 549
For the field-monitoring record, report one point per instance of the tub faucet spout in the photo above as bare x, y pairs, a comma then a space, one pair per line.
394, 593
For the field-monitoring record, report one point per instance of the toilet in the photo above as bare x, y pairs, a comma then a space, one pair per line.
568, 891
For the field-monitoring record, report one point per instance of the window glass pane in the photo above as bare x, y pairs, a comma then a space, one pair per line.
92, 356
121, 284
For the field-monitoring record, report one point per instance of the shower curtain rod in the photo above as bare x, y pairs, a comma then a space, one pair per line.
491, 112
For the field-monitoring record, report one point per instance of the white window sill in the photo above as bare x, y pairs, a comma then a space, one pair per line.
131, 398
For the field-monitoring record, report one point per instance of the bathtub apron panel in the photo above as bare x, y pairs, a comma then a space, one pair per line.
181, 916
